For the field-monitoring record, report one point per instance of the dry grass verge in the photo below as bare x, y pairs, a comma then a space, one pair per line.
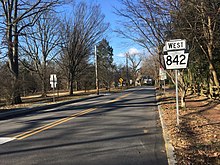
37, 100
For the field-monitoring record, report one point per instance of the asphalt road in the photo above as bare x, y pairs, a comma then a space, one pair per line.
116, 129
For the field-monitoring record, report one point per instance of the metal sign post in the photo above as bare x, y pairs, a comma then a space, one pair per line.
177, 99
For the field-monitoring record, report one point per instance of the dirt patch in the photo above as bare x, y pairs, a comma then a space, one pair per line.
197, 139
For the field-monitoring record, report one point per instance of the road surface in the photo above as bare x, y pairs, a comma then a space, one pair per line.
116, 129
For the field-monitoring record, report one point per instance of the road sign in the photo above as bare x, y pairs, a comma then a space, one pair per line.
176, 59
176, 44
53, 80
162, 74
53, 84
121, 80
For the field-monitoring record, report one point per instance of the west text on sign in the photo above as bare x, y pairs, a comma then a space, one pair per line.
175, 45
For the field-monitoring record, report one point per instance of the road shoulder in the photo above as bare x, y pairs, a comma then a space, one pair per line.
168, 146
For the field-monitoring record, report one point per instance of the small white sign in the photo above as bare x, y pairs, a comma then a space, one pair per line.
53, 80
176, 59
53, 84
162, 73
176, 44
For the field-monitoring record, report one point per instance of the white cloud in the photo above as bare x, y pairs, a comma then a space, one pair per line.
133, 51
121, 55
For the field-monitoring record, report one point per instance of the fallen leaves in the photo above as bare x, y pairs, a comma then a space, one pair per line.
197, 139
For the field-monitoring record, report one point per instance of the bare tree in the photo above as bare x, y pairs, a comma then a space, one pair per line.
80, 36
202, 27
13, 12
149, 67
147, 23
41, 45
134, 61
150, 24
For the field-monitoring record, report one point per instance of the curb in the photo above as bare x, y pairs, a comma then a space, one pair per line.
24, 111
168, 146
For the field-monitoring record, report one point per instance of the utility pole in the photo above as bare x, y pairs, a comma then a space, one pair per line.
96, 71
128, 83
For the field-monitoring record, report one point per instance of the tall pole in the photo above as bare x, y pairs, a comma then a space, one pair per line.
96, 72
128, 83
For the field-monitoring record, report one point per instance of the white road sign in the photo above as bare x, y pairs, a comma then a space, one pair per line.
176, 59
53, 84
176, 44
162, 73
53, 80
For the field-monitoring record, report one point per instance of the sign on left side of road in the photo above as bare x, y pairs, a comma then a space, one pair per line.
53, 80
121, 80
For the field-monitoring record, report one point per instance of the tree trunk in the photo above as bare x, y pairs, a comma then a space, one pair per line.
12, 39
211, 65
209, 29
15, 96
182, 89
44, 88
213, 74
183, 101
44, 79
71, 85
13, 63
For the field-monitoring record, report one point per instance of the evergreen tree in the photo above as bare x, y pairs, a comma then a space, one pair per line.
105, 63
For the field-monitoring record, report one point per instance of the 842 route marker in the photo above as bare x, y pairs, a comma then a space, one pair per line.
176, 58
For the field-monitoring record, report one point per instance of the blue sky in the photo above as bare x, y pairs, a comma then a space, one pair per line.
120, 45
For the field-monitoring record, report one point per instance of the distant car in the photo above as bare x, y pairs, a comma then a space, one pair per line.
148, 81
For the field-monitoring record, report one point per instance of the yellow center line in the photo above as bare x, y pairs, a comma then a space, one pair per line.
119, 98
53, 124
60, 121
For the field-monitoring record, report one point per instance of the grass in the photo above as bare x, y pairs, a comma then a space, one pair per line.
37, 100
